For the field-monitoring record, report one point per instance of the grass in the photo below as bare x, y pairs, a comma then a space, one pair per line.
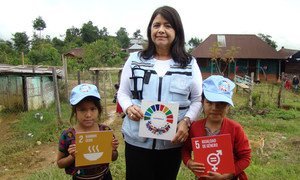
280, 127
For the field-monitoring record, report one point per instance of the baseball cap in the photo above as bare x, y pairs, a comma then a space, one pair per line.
217, 88
82, 91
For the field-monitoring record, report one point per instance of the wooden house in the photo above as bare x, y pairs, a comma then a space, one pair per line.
253, 55
26, 87
291, 61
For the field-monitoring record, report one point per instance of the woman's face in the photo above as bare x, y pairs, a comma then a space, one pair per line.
215, 111
86, 114
162, 33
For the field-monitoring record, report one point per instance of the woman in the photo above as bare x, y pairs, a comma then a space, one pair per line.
164, 72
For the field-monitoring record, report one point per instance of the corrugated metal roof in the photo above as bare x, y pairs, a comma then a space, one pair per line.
287, 53
28, 70
76, 52
250, 47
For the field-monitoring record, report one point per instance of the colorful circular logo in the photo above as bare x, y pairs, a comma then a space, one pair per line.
159, 118
85, 88
224, 86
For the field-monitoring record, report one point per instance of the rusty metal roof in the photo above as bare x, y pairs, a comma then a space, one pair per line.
250, 47
27, 70
75, 53
287, 53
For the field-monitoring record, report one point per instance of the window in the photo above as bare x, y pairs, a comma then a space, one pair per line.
221, 40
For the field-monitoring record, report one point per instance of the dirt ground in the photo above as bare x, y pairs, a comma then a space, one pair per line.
41, 156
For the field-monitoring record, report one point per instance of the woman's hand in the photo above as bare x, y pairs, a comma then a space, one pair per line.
196, 167
72, 150
115, 144
182, 132
218, 176
134, 112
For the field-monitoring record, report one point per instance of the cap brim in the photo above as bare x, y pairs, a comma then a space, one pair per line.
78, 99
215, 97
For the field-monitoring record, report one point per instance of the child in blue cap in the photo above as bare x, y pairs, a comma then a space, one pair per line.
216, 100
86, 109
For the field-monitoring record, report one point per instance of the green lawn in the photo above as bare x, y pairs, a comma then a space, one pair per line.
279, 127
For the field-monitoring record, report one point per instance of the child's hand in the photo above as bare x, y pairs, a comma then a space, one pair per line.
72, 150
115, 144
217, 176
196, 167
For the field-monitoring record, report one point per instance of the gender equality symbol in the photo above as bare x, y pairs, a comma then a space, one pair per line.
213, 159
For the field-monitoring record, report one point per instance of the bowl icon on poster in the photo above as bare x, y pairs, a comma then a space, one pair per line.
93, 156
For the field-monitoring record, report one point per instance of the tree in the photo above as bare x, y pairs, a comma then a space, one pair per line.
21, 42
103, 33
73, 36
7, 54
102, 53
58, 44
194, 42
39, 24
222, 58
137, 34
44, 54
89, 32
268, 40
122, 37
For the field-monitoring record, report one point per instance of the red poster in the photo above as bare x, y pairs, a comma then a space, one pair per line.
215, 152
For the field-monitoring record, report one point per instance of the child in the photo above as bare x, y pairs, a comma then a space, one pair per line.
216, 99
119, 109
86, 108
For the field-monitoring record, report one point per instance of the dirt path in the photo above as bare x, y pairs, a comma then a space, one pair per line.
39, 157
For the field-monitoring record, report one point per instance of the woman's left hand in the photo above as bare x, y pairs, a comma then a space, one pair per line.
182, 132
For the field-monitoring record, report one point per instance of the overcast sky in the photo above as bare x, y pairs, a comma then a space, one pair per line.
277, 18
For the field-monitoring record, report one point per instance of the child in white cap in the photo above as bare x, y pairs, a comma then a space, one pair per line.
216, 100
86, 109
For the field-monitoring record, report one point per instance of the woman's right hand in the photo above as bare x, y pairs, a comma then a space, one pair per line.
195, 167
134, 112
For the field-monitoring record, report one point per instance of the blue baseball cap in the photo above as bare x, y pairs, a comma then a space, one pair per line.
217, 88
82, 91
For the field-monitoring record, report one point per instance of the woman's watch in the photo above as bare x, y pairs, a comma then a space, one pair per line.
187, 120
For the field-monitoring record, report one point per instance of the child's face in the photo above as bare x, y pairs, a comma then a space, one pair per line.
215, 111
86, 114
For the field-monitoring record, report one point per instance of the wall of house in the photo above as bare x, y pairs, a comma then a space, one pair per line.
268, 70
11, 92
270, 77
40, 92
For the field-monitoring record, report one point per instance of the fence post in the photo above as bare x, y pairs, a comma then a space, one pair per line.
56, 96
279, 104
97, 79
78, 78
65, 67
250, 90
104, 89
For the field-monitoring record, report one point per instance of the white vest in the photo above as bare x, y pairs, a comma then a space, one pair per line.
145, 84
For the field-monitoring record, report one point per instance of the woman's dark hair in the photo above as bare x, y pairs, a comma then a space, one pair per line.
95, 100
178, 51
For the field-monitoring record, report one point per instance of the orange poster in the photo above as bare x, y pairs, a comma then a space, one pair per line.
93, 148
215, 152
